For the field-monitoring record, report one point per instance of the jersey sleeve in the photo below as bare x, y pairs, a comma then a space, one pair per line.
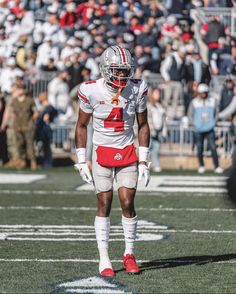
142, 98
83, 97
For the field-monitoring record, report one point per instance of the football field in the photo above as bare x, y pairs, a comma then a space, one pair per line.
186, 235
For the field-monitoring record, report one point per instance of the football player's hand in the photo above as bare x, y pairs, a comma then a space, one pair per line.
84, 172
144, 171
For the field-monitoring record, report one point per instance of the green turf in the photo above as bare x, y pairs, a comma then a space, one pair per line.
183, 262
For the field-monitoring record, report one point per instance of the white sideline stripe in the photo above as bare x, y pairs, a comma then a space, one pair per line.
115, 209
75, 260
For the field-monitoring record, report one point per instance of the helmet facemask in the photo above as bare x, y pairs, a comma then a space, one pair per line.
118, 75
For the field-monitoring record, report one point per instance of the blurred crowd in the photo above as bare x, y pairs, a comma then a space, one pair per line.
64, 40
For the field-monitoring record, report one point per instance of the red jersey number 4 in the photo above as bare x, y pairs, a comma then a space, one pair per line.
115, 120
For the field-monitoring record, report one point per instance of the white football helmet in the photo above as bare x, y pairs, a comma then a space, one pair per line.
116, 66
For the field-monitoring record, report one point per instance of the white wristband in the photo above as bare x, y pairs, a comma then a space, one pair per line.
143, 153
81, 155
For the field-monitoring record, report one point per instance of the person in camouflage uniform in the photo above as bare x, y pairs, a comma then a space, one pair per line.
7, 125
24, 114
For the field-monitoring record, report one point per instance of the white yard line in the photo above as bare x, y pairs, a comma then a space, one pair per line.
39, 192
193, 191
74, 260
65, 208
155, 188
13, 178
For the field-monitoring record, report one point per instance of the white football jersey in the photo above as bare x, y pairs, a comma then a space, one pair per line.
113, 124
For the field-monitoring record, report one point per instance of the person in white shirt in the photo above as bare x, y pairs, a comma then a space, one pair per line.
46, 51
113, 102
68, 50
157, 123
59, 98
89, 63
8, 75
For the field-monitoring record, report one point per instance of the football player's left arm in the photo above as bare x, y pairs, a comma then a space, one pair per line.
143, 139
80, 144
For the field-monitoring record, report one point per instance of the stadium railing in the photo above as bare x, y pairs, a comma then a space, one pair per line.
38, 83
178, 142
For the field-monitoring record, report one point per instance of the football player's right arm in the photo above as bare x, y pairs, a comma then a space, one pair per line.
81, 129
80, 143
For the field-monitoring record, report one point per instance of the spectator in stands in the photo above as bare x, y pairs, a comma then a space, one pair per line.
74, 70
12, 27
196, 72
172, 70
211, 32
68, 50
142, 60
51, 28
43, 131
221, 61
202, 115
215, 3
46, 51
89, 63
149, 42
169, 31
175, 7
4, 11
227, 93
58, 96
194, 4
157, 124
8, 75
68, 18
115, 27
3, 137
50, 66
86, 11
25, 113
21, 52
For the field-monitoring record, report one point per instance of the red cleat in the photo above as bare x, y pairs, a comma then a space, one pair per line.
130, 264
108, 272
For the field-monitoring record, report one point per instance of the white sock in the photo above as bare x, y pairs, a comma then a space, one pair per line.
102, 229
129, 227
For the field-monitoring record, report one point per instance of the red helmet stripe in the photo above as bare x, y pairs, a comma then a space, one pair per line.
122, 53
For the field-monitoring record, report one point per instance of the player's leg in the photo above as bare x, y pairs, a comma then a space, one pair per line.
103, 185
127, 182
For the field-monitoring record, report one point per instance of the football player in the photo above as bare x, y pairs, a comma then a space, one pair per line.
113, 102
